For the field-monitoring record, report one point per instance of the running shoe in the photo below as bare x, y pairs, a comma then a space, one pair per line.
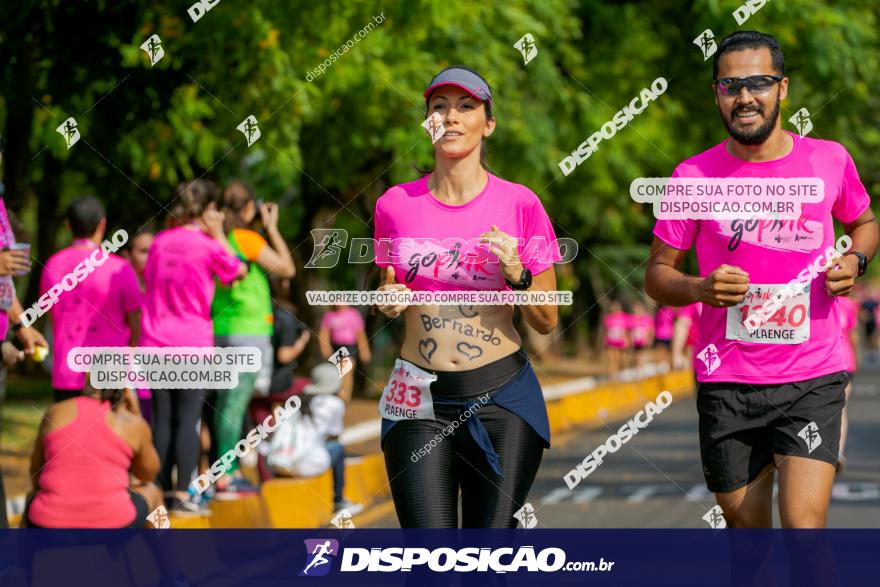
352, 507
237, 488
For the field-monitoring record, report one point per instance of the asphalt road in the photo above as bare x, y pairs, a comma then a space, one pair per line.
655, 480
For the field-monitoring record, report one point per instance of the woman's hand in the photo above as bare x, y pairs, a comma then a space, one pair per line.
13, 262
392, 311
506, 248
269, 215
213, 221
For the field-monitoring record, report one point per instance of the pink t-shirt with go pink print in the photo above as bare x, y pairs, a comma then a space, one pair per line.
181, 266
435, 246
802, 341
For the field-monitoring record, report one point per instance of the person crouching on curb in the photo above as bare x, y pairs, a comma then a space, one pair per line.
84, 452
327, 411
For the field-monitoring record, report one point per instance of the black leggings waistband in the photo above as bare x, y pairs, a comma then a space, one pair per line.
475, 382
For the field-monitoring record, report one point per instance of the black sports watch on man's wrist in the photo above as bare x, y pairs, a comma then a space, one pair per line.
863, 261
525, 280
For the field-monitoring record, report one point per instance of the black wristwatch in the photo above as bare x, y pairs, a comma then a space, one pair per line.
863, 261
525, 281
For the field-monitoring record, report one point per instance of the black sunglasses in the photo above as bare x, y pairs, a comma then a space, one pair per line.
755, 84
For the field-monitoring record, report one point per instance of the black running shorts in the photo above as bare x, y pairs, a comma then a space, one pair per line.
742, 426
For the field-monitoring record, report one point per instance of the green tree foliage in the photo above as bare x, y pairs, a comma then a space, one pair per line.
332, 145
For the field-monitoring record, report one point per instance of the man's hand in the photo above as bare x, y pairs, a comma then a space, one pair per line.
726, 286
841, 277
392, 285
14, 262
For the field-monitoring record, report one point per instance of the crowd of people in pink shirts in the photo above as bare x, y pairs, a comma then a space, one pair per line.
218, 275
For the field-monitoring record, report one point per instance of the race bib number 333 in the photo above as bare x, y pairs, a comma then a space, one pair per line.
789, 324
407, 395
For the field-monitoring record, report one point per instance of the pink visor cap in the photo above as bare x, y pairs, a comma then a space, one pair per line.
465, 79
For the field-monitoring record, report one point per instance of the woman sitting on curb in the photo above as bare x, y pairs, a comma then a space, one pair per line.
82, 457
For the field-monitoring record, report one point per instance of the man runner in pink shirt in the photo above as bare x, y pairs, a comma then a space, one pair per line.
770, 399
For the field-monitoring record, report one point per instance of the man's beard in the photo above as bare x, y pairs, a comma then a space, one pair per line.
760, 134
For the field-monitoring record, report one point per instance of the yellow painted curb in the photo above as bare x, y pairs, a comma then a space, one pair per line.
246, 512
190, 522
299, 503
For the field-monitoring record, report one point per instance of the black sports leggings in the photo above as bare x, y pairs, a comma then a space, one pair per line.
425, 492
175, 415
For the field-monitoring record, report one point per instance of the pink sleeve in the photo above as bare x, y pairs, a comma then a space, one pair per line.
380, 223
129, 290
852, 199
222, 263
678, 234
357, 320
539, 250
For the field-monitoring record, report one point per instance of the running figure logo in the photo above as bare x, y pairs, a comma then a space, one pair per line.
327, 252
434, 125
810, 434
69, 131
706, 43
342, 520
249, 129
710, 358
526, 516
801, 120
526, 46
715, 518
342, 360
153, 48
159, 518
317, 553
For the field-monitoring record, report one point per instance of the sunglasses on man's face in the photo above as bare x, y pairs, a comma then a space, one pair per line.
755, 84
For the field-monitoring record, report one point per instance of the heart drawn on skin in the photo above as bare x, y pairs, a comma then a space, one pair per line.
471, 351
427, 348
467, 311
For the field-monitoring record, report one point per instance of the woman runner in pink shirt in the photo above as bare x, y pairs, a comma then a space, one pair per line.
462, 376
